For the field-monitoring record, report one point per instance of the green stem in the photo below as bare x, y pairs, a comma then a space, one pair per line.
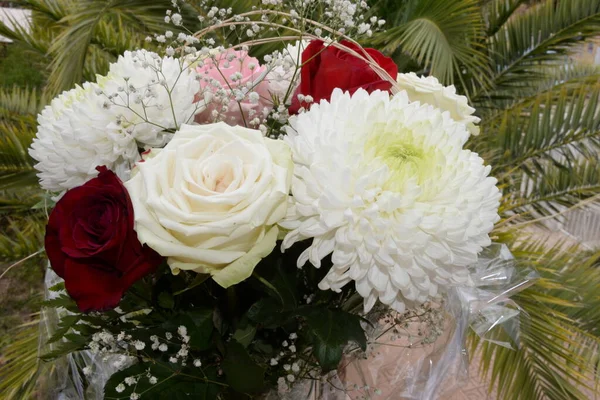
231, 300
269, 285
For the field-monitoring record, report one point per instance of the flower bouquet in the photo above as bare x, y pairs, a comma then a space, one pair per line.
305, 226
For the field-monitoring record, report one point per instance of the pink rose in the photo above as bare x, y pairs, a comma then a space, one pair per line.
227, 78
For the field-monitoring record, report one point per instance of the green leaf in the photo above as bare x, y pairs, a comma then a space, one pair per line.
267, 312
202, 328
21, 367
330, 330
64, 300
286, 283
283, 288
241, 372
65, 324
59, 287
165, 300
245, 335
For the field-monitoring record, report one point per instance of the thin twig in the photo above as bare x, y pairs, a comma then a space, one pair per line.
21, 261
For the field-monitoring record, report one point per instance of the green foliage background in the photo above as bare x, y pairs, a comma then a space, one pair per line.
14, 71
540, 131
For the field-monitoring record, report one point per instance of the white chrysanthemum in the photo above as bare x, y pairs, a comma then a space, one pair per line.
104, 124
159, 92
385, 186
281, 76
430, 91
72, 140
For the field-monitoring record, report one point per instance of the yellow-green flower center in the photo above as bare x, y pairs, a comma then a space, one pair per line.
403, 152
400, 153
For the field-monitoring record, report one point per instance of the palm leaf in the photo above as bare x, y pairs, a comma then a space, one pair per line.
497, 12
570, 76
528, 42
445, 38
555, 191
21, 102
558, 127
71, 48
20, 34
21, 370
16, 167
21, 237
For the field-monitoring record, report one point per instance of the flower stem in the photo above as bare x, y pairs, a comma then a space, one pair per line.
268, 284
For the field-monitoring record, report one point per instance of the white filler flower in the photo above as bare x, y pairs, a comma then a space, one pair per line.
211, 199
429, 90
385, 186
281, 75
152, 94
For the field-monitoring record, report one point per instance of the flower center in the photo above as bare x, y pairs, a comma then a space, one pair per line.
409, 160
219, 176
400, 153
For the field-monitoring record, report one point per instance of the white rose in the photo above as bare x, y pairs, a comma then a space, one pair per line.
209, 200
430, 91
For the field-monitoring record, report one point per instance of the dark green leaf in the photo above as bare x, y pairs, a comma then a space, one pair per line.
66, 323
286, 283
165, 300
267, 312
202, 328
241, 372
60, 286
64, 300
245, 335
330, 330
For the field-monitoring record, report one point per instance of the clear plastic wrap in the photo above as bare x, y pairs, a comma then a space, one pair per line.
67, 380
418, 355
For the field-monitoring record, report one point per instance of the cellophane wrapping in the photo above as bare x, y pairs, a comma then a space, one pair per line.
67, 379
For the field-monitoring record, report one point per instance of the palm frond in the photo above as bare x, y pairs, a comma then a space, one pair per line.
555, 127
571, 76
21, 369
497, 12
21, 237
16, 167
47, 12
445, 38
21, 202
105, 47
555, 191
38, 35
22, 102
71, 48
529, 41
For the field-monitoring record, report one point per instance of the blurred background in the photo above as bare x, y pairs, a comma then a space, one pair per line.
531, 68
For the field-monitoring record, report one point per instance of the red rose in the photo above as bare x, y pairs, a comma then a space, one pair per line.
91, 243
325, 68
